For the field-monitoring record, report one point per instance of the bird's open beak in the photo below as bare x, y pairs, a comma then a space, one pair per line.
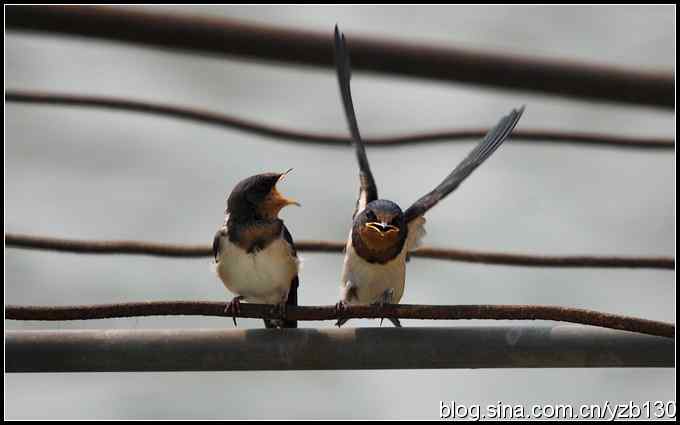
279, 201
383, 229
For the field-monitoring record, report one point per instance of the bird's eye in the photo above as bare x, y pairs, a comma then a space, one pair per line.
394, 221
371, 215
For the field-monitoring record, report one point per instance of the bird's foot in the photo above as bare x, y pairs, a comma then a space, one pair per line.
340, 308
386, 298
279, 312
234, 307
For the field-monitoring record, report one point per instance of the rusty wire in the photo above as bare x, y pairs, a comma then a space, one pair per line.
205, 35
15, 240
401, 311
279, 133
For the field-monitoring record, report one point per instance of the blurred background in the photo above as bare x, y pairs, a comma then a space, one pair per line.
100, 174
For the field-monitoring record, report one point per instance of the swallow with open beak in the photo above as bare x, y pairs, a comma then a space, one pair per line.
254, 251
382, 234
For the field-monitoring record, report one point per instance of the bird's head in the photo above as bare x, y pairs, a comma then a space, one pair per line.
379, 231
256, 197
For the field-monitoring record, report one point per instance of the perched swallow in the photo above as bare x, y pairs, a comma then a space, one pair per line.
382, 234
254, 251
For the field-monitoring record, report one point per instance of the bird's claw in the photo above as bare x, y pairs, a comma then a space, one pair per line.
279, 311
340, 309
386, 298
234, 307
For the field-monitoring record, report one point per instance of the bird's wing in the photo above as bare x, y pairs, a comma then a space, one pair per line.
292, 293
416, 233
216, 246
289, 238
493, 139
368, 190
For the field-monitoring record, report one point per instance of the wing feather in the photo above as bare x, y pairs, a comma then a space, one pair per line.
493, 139
368, 191
217, 246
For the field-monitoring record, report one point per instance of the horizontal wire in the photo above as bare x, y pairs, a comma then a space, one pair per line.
15, 240
401, 311
208, 117
222, 36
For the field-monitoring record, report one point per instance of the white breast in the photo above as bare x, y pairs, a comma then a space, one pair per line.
369, 281
264, 276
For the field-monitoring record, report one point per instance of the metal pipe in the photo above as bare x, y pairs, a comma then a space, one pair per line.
332, 349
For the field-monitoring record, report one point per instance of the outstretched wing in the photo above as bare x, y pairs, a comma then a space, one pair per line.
493, 139
368, 191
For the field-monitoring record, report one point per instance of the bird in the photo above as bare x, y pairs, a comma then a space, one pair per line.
382, 234
254, 252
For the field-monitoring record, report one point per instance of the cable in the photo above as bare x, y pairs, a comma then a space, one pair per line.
201, 35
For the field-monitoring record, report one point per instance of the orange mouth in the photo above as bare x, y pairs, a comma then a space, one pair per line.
280, 199
275, 201
381, 228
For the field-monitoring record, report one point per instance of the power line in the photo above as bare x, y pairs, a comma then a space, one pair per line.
279, 133
14, 240
199, 34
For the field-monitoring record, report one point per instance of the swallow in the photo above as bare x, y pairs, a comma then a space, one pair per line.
254, 252
382, 235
